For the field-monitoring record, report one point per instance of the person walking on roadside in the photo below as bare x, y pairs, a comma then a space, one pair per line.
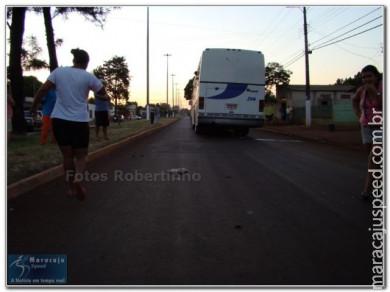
367, 104
157, 114
49, 100
101, 114
70, 115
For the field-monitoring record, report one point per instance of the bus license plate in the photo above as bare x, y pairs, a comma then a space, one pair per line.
231, 106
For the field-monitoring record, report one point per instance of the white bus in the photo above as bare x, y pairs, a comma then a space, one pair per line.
228, 90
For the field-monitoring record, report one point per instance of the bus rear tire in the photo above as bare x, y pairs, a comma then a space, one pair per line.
242, 131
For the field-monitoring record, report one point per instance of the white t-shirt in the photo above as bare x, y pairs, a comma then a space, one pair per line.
72, 88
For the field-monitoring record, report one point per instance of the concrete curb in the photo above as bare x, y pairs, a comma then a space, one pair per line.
27, 184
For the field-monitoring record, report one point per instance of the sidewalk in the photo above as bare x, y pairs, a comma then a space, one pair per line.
344, 137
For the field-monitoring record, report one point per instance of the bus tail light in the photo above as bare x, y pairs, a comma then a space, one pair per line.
201, 102
261, 105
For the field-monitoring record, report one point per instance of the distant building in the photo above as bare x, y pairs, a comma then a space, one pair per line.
331, 104
91, 108
131, 111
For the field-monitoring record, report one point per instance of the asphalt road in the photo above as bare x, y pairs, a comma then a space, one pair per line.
262, 210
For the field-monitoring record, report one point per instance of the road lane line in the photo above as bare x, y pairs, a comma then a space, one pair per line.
277, 140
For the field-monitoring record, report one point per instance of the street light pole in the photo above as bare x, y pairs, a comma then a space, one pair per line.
173, 96
167, 55
307, 52
177, 100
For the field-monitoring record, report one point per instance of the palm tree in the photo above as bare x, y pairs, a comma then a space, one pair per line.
17, 14
96, 15
15, 67
50, 38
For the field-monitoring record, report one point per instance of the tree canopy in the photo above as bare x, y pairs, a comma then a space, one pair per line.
188, 89
116, 74
117, 77
355, 80
275, 74
96, 15
30, 54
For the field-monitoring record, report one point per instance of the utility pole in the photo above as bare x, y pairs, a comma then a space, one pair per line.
177, 100
147, 66
308, 101
173, 96
167, 55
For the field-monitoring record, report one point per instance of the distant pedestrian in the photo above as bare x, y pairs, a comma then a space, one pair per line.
367, 104
49, 100
152, 117
10, 105
282, 111
70, 115
157, 114
289, 113
101, 114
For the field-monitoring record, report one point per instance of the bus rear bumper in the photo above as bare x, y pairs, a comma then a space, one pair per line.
232, 121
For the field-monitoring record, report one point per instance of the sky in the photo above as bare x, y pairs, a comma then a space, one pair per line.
185, 31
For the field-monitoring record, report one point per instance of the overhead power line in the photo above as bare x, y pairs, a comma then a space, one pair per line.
316, 23
263, 34
325, 16
346, 25
325, 45
350, 31
293, 56
294, 60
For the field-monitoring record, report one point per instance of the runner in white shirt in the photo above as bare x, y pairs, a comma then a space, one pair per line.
70, 115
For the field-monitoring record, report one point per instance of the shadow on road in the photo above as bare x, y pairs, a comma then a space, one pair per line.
220, 133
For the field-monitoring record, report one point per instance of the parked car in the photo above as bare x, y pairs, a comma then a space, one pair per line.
39, 115
135, 117
32, 122
118, 118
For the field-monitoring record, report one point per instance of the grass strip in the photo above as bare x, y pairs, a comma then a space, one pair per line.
26, 157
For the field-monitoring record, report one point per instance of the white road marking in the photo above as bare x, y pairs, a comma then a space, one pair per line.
276, 140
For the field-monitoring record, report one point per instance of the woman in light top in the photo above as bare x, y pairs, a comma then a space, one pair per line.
367, 104
70, 115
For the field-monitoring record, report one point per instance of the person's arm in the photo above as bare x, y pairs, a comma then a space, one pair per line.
102, 94
43, 90
374, 93
356, 102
